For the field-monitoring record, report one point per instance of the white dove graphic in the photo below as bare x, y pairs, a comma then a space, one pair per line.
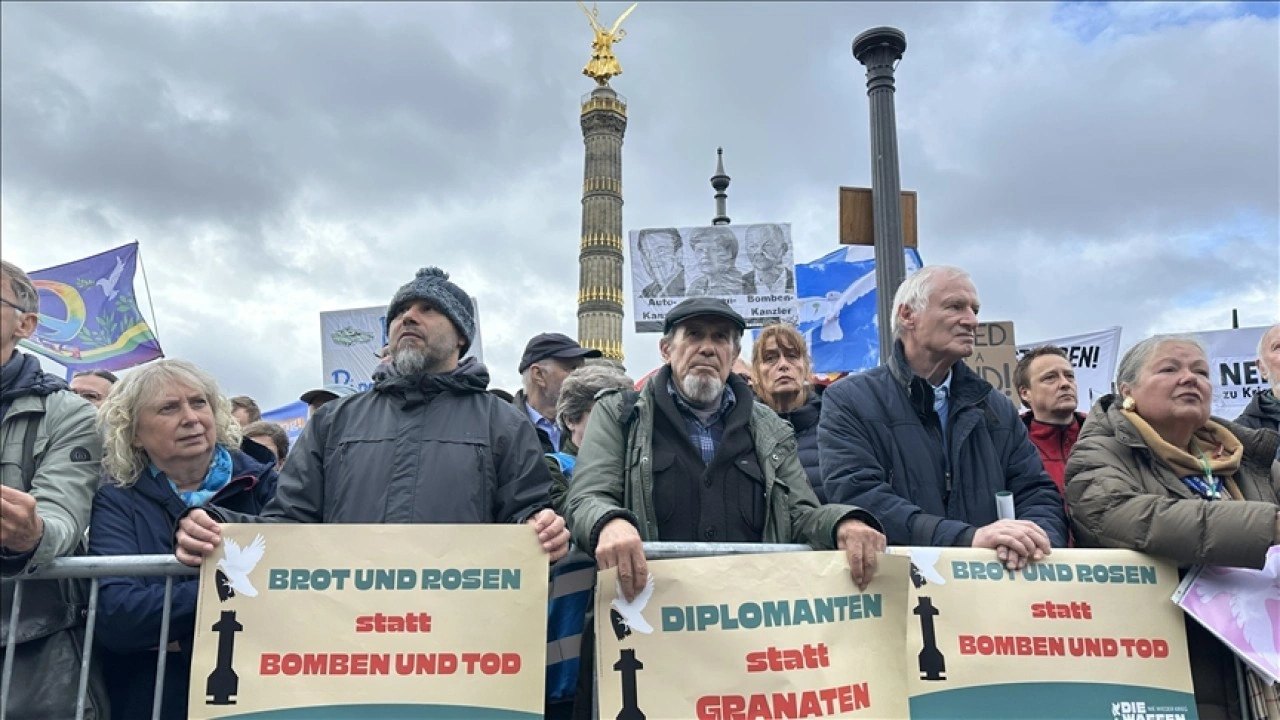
925, 560
630, 611
108, 284
1250, 590
827, 308
238, 563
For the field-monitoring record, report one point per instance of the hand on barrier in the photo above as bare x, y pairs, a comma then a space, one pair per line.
552, 533
862, 545
1016, 542
20, 525
197, 536
620, 546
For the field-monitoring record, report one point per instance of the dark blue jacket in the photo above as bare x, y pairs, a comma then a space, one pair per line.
880, 444
140, 520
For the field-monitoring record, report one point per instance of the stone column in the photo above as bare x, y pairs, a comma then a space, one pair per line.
600, 259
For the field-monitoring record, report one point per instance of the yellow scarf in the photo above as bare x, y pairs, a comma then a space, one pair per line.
1220, 449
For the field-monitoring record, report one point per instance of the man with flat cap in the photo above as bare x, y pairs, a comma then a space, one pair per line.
712, 465
548, 359
426, 445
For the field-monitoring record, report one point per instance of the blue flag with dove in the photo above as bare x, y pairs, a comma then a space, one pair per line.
836, 298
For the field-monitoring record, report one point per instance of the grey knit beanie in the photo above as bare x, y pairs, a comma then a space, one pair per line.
432, 285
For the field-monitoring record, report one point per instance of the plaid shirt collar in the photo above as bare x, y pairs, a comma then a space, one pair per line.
727, 401
704, 436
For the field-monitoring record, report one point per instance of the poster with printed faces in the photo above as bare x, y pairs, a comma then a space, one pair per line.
752, 267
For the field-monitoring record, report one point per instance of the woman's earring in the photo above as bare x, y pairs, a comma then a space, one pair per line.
1129, 404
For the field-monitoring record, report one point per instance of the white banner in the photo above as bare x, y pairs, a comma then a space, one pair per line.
1233, 366
350, 341
1094, 357
752, 267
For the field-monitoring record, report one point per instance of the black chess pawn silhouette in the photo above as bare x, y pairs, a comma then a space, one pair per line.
224, 684
627, 665
933, 666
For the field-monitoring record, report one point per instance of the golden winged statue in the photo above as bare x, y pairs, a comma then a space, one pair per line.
604, 64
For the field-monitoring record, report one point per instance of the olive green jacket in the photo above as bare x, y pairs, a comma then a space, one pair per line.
614, 475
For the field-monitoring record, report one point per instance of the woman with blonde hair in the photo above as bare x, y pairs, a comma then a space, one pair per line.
170, 443
782, 377
1153, 472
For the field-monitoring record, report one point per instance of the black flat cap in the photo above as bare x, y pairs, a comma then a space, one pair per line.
553, 345
695, 306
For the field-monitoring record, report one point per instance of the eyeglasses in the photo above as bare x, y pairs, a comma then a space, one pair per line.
15, 306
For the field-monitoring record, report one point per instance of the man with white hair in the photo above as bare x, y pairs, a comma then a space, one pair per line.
1264, 408
925, 444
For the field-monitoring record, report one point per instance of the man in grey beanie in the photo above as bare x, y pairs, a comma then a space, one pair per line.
414, 448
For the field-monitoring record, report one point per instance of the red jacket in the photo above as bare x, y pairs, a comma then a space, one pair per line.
1054, 443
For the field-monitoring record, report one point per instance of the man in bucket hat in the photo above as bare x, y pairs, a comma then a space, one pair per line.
410, 444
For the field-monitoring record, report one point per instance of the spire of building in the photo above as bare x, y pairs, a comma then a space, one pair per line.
720, 183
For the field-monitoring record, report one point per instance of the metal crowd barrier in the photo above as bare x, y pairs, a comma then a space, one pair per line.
168, 567
93, 568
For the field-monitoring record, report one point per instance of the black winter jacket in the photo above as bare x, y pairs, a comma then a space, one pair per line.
1263, 412
425, 449
804, 420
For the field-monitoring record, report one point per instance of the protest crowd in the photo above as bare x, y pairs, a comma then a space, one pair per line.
910, 453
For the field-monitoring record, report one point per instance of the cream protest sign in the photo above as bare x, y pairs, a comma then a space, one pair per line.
393, 621
995, 357
1082, 634
753, 636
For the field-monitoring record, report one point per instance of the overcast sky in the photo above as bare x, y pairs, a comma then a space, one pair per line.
1090, 164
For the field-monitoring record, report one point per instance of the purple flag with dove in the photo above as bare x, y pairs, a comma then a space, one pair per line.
89, 316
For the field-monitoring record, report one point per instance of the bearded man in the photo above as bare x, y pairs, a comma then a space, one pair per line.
428, 444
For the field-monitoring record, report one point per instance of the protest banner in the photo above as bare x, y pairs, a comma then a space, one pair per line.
1233, 367
995, 356
89, 316
1241, 607
1081, 634
750, 266
351, 339
1092, 355
753, 636
389, 621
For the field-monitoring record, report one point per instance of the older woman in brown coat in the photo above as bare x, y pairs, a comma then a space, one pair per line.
1153, 472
